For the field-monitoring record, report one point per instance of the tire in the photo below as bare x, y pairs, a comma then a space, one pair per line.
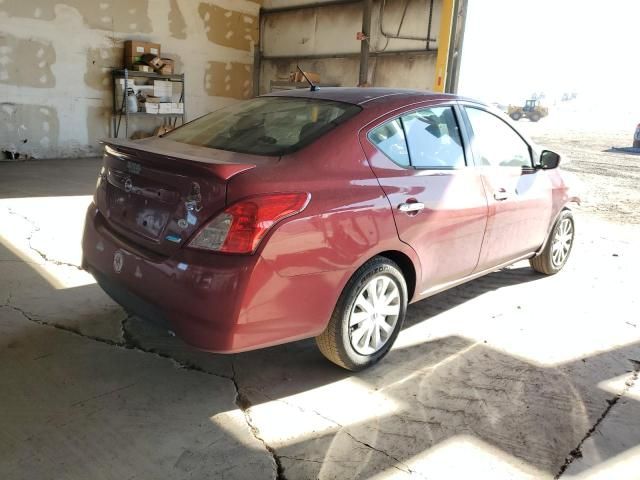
343, 341
516, 116
534, 117
548, 262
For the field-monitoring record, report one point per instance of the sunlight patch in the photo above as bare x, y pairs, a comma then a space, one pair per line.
46, 234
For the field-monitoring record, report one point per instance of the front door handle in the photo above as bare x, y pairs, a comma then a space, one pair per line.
413, 207
501, 194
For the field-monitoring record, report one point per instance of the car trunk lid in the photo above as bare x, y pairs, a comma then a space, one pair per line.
157, 192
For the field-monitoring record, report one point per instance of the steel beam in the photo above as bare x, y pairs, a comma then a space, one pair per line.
321, 56
367, 6
295, 8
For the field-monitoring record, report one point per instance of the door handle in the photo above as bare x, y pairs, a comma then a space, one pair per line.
413, 207
501, 194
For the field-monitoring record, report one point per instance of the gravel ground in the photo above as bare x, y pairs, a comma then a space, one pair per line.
610, 180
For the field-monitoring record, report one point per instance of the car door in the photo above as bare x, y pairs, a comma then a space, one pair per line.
438, 202
519, 196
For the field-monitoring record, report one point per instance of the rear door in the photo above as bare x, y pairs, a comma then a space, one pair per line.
438, 201
519, 196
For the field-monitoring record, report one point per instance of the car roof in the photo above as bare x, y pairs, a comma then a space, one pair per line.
362, 96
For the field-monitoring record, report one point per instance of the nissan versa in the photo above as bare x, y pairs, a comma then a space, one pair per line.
320, 214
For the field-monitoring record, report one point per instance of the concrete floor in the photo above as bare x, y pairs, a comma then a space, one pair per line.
514, 375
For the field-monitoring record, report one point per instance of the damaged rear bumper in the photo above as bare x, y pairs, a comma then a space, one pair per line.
195, 294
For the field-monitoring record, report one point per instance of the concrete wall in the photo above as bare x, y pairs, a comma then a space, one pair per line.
56, 56
332, 30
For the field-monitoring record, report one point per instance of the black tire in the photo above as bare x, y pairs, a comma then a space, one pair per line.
516, 116
335, 342
545, 263
534, 117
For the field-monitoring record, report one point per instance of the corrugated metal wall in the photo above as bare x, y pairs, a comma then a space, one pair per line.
304, 36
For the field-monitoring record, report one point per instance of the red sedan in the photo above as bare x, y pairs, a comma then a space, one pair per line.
320, 214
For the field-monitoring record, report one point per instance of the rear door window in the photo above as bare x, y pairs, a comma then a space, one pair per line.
389, 138
265, 125
426, 138
434, 138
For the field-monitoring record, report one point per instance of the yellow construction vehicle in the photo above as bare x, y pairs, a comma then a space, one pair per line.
531, 110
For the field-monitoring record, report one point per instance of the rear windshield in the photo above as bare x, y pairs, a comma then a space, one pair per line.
265, 125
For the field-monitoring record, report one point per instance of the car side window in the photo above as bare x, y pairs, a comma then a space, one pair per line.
495, 143
434, 138
389, 138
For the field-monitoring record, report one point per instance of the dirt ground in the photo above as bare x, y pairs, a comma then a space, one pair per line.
610, 180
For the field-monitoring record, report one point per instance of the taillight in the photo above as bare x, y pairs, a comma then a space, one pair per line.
241, 227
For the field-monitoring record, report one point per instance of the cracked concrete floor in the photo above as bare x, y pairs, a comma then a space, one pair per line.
511, 376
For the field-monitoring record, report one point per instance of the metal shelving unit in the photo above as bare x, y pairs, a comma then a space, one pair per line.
121, 111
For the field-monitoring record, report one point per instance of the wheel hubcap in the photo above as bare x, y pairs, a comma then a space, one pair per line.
562, 242
374, 315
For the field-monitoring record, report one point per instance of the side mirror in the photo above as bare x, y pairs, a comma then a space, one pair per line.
549, 160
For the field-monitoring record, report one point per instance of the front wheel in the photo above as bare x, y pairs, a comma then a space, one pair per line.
515, 116
367, 317
556, 252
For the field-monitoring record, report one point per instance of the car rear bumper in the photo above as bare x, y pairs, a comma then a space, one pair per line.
218, 303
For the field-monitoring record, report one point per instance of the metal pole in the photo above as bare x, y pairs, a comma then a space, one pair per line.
456, 47
364, 46
444, 44
257, 66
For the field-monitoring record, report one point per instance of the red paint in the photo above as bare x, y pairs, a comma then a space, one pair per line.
288, 288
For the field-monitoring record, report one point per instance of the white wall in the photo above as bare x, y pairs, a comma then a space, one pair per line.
56, 55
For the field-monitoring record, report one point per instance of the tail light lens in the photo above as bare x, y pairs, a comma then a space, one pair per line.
241, 227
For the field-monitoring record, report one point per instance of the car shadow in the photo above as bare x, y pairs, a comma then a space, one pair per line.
298, 366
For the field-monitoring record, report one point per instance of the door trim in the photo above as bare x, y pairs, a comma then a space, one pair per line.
446, 286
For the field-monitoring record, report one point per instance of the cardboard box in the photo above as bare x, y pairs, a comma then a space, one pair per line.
143, 68
177, 108
164, 107
168, 66
152, 107
152, 99
162, 88
152, 60
135, 49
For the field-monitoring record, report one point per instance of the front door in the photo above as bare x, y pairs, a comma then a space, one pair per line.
438, 202
519, 196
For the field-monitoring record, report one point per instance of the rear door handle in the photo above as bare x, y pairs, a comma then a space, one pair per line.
411, 207
501, 194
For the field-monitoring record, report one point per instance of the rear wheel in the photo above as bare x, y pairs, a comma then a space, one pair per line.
367, 317
534, 117
556, 252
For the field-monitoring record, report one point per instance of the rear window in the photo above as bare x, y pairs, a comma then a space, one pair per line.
265, 125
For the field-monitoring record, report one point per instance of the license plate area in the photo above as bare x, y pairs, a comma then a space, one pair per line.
138, 204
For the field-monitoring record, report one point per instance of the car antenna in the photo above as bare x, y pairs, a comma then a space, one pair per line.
313, 88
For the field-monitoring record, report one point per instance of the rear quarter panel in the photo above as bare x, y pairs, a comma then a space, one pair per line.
307, 259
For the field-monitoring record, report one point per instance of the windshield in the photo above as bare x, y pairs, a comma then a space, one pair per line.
265, 125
